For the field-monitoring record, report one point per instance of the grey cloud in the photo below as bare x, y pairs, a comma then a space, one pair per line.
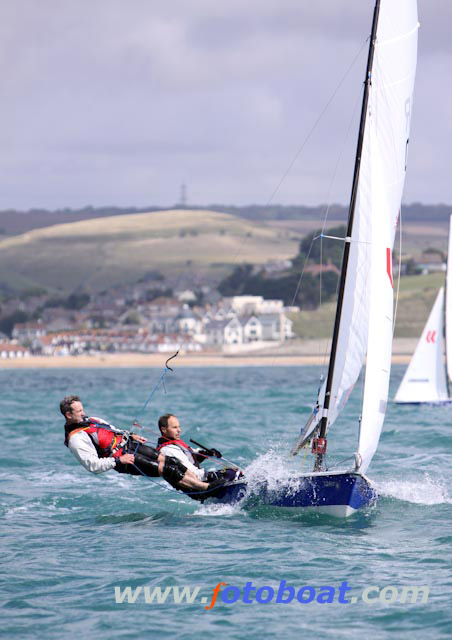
107, 101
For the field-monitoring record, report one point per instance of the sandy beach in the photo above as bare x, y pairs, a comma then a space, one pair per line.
309, 352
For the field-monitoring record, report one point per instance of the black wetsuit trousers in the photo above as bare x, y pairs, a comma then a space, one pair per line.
146, 463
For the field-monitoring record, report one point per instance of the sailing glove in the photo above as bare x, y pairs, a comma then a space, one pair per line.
213, 453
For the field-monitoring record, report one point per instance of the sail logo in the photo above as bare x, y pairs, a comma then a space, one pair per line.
431, 337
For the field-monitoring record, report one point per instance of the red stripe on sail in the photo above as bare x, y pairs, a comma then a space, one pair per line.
389, 265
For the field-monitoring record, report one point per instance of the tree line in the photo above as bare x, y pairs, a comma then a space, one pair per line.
295, 286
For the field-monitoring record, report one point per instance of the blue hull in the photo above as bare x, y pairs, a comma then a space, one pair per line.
338, 494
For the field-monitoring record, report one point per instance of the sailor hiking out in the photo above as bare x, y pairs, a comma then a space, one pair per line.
100, 447
171, 444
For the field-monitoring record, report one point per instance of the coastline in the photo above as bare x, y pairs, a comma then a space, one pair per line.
310, 352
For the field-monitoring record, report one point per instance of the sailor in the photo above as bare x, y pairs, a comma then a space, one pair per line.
171, 444
99, 447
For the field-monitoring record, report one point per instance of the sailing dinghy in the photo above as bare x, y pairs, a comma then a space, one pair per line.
363, 326
426, 379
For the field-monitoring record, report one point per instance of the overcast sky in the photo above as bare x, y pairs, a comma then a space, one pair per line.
113, 102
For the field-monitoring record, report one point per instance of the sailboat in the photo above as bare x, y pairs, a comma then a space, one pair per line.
426, 379
363, 328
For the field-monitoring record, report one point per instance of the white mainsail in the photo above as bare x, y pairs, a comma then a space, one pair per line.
425, 377
366, 322
448, 313
383, 176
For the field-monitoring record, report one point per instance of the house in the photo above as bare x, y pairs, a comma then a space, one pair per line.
276, 326
186, 296
164, 306
276, 266
268, 326
28, 330
431, 262
222, 332
252, 329
270, 306
316, 269
10, 350
245, 305
162, 324
187, 322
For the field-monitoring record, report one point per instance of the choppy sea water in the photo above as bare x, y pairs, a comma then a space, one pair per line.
69, 537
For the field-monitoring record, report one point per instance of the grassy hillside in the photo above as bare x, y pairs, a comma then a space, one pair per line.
103, 252
416, 297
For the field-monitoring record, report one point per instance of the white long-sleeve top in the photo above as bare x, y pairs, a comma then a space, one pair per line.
176, 452
81, 446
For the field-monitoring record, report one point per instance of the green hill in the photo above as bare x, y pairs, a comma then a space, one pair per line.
416, 297
104, 252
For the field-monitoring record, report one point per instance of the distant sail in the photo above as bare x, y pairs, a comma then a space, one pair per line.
448, 308
425, 378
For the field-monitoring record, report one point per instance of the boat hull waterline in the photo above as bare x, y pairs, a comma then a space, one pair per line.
335, 493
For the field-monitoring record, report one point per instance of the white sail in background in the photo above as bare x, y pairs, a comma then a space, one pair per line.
425, 377
448, 313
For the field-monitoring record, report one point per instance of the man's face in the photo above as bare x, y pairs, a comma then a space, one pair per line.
173, 430
76, 413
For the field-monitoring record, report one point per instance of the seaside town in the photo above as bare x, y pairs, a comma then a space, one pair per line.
153, 320
129, 322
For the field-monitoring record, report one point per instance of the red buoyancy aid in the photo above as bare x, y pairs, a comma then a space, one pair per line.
182, 445
179, 443
107, 442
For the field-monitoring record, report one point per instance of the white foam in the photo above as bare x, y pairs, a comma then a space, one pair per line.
426, 491
276, 470
10, 512
209, 510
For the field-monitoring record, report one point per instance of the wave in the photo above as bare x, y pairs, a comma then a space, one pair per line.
427, 491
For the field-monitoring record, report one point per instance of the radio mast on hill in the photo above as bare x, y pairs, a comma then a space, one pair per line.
183, 196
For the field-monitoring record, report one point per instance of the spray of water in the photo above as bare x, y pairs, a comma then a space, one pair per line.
428, 490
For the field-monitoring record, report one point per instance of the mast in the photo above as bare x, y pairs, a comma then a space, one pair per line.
320, 447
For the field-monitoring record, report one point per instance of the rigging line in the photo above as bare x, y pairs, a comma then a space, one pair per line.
320, 298
308, 136
327, 210
336, 464
323, 235
317, 121
298, 153
298, 284
351, 240
171, 358
327, 348
339, 159
320, 274
160, 381
302, 273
